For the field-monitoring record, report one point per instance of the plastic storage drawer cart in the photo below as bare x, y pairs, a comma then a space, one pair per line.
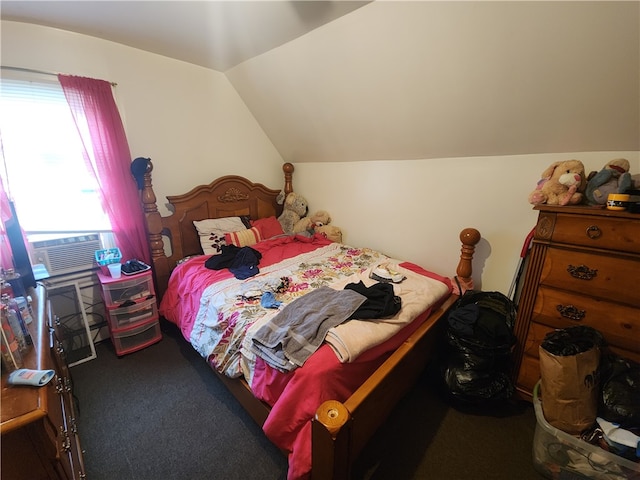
558, 455
132, 311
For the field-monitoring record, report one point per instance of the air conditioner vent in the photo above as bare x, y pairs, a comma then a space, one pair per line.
68, 254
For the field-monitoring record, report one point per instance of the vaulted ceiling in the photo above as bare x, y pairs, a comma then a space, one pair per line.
349, 81
213, 34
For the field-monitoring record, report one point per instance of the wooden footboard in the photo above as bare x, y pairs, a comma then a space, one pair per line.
340, 430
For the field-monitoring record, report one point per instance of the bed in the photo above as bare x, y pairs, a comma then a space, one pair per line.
318, 401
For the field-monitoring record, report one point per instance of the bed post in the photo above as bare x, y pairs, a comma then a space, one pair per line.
154, 233
469, 238
330, 438
287, 168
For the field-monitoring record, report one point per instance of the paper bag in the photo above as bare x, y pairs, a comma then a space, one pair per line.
570, 389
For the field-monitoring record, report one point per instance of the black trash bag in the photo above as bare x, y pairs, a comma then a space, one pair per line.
472, 354
572, 340
477, 358
620, 396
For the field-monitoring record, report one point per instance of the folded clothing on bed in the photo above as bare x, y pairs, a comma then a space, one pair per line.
296, 332
418, 292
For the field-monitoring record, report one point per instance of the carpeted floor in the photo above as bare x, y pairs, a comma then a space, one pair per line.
160, 413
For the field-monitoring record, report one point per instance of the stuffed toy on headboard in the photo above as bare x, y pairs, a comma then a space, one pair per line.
294, 208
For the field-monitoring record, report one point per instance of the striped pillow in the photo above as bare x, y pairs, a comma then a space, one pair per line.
243, 238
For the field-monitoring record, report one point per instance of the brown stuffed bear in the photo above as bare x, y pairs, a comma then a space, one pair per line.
562, 183
310, 223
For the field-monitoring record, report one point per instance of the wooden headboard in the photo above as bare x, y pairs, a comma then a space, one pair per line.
226, 196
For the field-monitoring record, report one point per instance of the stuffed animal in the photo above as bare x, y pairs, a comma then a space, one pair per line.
294, 208
332, 232
562, 183
321, 225
320, 218
310, 223
613, 178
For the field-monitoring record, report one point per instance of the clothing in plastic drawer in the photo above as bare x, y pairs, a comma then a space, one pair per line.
140, 312
136, 288
136, 338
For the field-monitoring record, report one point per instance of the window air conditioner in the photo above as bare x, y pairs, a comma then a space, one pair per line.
64, 255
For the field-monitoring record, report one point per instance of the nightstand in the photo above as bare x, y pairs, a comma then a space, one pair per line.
132, 311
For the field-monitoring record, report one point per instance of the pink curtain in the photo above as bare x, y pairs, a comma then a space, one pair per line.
6, 256
96, 114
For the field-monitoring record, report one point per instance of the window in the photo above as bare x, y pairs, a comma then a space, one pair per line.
46, 176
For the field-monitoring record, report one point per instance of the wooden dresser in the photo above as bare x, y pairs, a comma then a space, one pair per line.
584, 269
39, 437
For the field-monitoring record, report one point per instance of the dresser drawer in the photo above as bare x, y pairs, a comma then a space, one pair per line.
619, 324
54, 420
618, 234
529, 372
135, 338
137, 313
130, 289
605, 277
71, 456
536, 335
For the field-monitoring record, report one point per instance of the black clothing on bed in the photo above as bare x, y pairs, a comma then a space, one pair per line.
241, 261
381, 301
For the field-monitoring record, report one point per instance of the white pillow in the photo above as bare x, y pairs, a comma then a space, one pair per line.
212, 230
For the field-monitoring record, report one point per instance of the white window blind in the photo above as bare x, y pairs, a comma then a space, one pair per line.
45, 171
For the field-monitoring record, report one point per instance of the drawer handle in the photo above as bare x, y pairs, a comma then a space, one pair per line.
60, 349
582, 272
571, 312
72, 425
59, 385
594, 232
65, 446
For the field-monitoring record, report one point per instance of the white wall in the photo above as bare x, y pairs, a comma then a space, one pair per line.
189, 120
195, 127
